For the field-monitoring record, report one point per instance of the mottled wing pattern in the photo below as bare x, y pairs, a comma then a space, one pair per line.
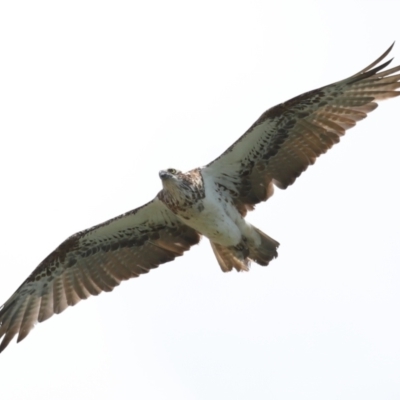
95, 260
289, 137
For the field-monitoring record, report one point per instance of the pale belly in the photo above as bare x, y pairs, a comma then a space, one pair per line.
218, 221
215, 217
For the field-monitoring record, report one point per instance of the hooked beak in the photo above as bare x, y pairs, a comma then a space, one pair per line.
164, 175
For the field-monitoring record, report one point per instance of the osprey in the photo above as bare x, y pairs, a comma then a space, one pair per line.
211, 201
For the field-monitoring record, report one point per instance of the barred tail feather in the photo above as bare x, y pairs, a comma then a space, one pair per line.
229, 258
266, 251
240, 256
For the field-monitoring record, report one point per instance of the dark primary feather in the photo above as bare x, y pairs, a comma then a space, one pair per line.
95, 260
289, 137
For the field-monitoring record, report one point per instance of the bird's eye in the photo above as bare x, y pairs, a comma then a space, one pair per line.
172, 171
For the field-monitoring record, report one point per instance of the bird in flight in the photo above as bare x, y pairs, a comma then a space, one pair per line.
210, 201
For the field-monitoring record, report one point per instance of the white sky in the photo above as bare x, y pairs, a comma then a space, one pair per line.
96, 97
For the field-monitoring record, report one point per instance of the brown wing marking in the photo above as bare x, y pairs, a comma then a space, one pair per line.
94, 261
289, 137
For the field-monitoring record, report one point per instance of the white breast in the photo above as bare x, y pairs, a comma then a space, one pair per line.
215, 218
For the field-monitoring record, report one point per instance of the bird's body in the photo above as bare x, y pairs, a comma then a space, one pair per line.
210, 201
207, 207
214, 216
211, 213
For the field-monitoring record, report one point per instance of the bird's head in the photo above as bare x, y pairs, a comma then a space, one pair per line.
172, 179
180, 187
174, 184
169, 174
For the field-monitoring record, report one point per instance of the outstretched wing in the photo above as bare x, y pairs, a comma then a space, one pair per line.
289, 137
95, 260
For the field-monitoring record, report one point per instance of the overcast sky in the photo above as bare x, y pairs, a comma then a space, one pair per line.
96, 97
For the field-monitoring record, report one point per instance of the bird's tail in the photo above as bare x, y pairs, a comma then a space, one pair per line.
240, 256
